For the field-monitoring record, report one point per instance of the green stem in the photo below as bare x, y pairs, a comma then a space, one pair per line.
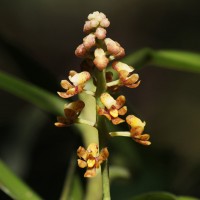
106, 180
102, 131
69, 179
13, 186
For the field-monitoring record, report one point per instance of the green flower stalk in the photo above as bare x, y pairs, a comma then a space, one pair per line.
98, 52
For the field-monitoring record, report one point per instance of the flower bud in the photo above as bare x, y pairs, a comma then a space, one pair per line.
80, 51
114, 48
89, 41
100, 61
100, 33
105, 23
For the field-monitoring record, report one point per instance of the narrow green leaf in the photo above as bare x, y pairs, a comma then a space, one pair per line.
139, 58
13, 186
186, 198
179, 60
155, 196
33, 94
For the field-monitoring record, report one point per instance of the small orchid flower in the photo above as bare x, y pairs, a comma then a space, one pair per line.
137, 128
71, 111
78, 80
91, 159
113, 108
125, 78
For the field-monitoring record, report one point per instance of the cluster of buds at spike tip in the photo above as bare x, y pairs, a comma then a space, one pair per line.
95, 27
91, 158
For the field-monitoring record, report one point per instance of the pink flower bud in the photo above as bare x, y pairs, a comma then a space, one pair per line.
101, 62
100, 33
94, 23
80, 51
114, 48
87, 27
105, 23
89, 41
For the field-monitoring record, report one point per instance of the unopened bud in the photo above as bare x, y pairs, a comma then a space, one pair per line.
105, 23
101, 62
80, 51
89, 41
100, 33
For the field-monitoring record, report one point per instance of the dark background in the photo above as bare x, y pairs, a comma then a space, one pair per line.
37, 43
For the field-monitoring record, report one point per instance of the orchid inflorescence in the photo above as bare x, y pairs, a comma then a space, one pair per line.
99, 54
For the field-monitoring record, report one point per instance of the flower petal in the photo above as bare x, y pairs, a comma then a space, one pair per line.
77, 106
91, 162
82, 153
91, 172
65, 84
119, 66
113, 112
123, 110
107, 100
82, 163
120, 101
103, 155
133, 121
65, 95
93, 149
117, 120
79, 78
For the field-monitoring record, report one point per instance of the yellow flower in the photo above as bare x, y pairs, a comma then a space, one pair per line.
78, 82
137, 128
91, 159
125, 78
113, 108
71, 111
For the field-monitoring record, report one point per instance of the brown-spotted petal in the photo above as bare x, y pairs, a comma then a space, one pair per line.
77, 106
117, 120
123, 110
120, 101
